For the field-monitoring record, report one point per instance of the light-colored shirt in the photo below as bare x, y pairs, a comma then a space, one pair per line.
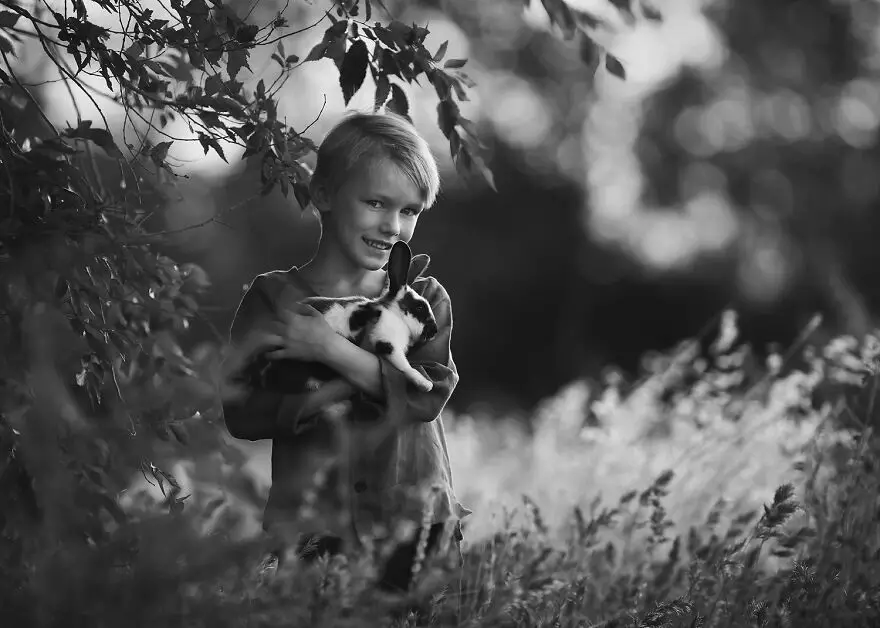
389, 448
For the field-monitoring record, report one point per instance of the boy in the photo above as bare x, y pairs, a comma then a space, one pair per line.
373, 179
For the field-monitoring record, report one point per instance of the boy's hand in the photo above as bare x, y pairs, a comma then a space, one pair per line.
303, 334
325, 403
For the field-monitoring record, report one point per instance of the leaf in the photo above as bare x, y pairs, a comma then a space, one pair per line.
354, 70
442, 83
236, 60
400, 33
336, 31
159, 152
317, 51
196, 7
213, 84
383, 88
246, 33
213, 49
384, 35
419, 33
336, 51
389, 63
211, 119
398, 103
470, 162
134, 51
302, 195
8, 18
100, 137
447, 116
210, 142
441, 52
614, 66
6, 45
455, 63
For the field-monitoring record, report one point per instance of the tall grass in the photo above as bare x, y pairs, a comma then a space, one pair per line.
715, 491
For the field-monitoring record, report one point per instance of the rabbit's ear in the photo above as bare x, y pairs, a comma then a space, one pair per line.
417, 266
398, 266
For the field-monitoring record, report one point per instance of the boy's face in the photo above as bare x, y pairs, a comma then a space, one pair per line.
374, 207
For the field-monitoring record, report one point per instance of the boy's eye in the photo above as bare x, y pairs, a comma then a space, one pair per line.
411, 211
374, 203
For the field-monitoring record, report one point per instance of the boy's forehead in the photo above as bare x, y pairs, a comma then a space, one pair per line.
384, 176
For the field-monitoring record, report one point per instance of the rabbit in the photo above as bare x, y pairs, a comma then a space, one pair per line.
388, 326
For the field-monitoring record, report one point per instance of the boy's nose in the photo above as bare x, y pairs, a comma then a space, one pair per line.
391, 225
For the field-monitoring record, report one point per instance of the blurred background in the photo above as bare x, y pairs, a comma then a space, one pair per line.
736, 166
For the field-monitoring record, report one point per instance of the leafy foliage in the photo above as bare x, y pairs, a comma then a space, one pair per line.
91, 366
571, 20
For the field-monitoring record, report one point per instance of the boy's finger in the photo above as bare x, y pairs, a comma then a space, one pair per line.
262, 339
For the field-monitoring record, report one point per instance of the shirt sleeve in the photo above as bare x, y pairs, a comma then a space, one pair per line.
261, 413
403, 401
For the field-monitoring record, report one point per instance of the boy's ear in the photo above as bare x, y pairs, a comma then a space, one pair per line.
320, 198
417, 266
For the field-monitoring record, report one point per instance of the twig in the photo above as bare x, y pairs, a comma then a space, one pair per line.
99, 183
26, 14
199, 225
310, 124
61, 65
292, 33
20, 31
6, 168
27, 93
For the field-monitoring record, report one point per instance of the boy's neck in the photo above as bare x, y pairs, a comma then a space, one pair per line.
334, 276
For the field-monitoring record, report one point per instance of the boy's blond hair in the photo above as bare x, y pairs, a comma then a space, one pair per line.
360, 135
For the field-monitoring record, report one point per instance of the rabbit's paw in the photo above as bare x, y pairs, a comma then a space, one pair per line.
421, 382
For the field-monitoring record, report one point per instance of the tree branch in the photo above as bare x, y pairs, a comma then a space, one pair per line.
27, 93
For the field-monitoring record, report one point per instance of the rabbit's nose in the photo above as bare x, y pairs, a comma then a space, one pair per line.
430, 330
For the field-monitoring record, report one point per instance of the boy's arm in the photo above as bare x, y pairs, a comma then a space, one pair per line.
263, 413
388, 386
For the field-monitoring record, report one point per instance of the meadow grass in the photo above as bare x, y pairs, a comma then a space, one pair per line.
715, 491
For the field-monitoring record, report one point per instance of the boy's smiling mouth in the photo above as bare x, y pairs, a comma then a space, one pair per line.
378, 244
